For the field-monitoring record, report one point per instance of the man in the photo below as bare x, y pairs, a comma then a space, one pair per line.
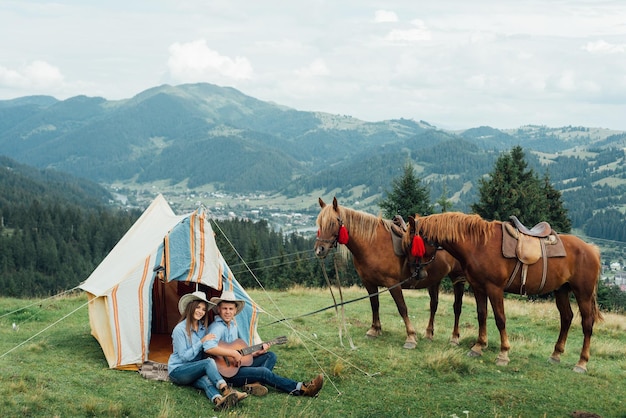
252, 378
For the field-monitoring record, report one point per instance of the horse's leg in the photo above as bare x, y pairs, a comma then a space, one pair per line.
433, 291
588, 311
375, 330
481, 313
496, 297
398, 297
561, 297
459, 287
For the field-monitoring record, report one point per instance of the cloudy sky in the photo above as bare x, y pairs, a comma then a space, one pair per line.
453, 63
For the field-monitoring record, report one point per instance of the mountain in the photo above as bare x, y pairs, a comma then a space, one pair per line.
207, 136
22, 184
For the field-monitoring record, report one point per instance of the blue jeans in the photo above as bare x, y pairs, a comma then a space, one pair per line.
261, 371
201, 374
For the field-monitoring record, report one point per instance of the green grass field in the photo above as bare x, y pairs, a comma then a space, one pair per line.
52, 367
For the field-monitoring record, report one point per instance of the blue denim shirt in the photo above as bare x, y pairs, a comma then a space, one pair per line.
227, 333
185, 350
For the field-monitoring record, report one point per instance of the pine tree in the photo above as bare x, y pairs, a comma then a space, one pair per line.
407, 197
556, 212
513, 189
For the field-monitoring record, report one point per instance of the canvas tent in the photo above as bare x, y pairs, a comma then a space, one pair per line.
133, 294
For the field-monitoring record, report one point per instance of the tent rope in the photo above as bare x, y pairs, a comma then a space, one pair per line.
45, 329
39, 302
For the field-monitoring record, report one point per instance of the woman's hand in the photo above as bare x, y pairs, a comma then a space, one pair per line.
208, 337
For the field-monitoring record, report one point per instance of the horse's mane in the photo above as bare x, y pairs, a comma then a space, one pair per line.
359, 224
455, 227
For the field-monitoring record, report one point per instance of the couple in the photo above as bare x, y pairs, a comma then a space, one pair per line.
193, 339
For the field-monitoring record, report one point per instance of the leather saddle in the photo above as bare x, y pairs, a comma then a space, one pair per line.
529, 245
398, 228
531, 242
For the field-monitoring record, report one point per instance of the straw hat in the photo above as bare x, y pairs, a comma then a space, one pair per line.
228, 296
190, 297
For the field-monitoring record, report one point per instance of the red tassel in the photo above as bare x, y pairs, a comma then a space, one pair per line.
343, 237
417, 247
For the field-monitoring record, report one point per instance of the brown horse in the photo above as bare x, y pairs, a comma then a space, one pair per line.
477, 244
377, 264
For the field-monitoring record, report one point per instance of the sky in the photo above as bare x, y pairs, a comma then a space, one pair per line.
456, 64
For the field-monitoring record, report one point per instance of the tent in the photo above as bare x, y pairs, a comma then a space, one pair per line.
133, 294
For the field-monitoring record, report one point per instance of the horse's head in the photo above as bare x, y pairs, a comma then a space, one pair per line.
420, 251
330, 229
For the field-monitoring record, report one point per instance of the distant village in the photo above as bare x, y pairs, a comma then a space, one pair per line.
614, 275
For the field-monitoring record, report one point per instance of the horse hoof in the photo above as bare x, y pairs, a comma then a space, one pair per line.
473, 353
502, 362
454, 341
554, 360
410, 346
579, 369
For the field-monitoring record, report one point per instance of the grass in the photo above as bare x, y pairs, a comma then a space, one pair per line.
53, 367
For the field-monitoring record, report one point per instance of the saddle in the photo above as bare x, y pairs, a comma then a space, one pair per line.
398, 228
528, 246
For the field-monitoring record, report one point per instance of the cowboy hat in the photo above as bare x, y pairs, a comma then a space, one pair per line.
190, 297
228, 296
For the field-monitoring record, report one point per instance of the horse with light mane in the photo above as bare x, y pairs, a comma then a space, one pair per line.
478, 245
370, 244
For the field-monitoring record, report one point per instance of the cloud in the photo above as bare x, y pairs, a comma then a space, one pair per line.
603, 47
37, 74
316, 68
419, 32
195, 61
382, 16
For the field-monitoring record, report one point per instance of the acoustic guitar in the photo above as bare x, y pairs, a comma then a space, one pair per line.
228, 368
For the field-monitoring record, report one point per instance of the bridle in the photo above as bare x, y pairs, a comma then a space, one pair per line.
416, 266
333, 241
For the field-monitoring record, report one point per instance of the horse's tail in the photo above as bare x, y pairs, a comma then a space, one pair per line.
595, 309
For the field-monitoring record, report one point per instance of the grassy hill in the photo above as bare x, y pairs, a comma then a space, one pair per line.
52, 366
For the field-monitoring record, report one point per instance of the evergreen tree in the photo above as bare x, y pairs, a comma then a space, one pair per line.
407, 197
444, 203
513, 189
556, 212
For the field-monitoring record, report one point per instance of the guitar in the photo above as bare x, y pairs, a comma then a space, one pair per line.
228, 368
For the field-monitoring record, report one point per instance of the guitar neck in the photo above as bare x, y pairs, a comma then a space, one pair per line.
251, 349
254, 348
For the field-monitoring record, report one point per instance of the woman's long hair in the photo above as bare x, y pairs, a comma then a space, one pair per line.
188, 315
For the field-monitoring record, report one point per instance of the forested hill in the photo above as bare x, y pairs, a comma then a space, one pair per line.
54, 229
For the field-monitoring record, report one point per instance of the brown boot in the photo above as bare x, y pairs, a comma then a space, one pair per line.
313, 387
255, 389
225, 401
227, 390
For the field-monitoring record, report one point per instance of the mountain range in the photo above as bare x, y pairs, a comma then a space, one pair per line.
203, 135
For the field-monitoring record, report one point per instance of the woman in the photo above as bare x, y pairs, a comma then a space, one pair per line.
187, 365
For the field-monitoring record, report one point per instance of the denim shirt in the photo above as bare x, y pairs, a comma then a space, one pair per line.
184, 350
223, 332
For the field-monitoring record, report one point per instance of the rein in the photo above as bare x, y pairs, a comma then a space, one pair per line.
341, 303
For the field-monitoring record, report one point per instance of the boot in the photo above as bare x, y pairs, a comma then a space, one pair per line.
225, 401
313, 387
227, 390
255, 389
